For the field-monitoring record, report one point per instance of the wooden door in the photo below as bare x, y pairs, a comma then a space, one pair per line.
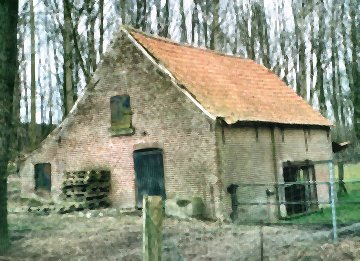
149, 173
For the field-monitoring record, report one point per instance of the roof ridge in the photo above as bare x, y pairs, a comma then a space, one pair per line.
170, 41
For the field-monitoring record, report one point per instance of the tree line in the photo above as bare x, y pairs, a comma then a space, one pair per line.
312, 45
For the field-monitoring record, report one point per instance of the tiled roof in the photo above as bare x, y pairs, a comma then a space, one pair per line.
233, 88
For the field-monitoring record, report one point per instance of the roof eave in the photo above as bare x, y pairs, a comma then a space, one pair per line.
272, 123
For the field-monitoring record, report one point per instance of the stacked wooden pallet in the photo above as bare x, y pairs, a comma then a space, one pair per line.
86, 190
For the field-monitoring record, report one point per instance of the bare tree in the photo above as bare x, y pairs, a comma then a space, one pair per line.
214, 38
183, 29
355, 70
312, 49
205, 13
32, 75
89, 5
334, 50
320, 49
68, 80
298, 10
8, 56
140, 14
123, 11
195, 23
164, 28
101, 29
48, 63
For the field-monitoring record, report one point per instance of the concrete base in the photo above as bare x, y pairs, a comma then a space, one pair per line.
185, 208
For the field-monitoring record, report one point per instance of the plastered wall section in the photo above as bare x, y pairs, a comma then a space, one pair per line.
247, 158
163, 117
306, 144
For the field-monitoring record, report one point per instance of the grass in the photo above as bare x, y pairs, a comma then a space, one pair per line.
351, 171
346, 212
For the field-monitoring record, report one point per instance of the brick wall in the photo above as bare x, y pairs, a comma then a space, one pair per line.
247, 157
163, 117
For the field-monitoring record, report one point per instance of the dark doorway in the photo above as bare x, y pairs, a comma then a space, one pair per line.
43, 177
149, 173
302, 196
234, 201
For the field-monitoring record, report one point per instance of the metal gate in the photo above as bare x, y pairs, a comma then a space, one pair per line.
43, 176
149, 173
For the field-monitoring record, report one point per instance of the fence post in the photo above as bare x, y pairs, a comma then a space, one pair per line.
332, 199
152, 221
261, 240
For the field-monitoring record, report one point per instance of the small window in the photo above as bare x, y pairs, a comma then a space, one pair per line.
43, 177
121, 115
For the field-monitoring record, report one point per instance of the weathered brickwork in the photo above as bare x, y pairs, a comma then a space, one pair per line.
247, 157
201, 158
163, 117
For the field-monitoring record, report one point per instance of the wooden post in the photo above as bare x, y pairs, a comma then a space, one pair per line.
332, 200
152, 221
261, 240
342, 187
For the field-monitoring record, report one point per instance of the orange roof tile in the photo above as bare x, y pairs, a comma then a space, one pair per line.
233, 88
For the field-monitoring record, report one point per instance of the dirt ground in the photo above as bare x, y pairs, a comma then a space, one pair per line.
108, 234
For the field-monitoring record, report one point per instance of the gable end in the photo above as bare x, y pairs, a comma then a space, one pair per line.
168, 73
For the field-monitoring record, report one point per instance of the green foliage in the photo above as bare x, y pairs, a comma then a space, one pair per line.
351, 172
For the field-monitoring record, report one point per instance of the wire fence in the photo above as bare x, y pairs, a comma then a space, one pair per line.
306, 194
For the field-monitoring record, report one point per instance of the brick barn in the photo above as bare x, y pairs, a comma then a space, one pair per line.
181, 121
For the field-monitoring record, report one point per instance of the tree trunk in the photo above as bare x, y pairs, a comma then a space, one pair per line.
251, 36
68, 81
8, 56
165, 31
48, 64
33, 81
59, 82
158, 17
123, 13
76, 78
144, 15
263, 35
300, 59
282, 25
138, 14
194, 22
334, 99
319, 68
214, 38
101, 41
342, 189
312, 43
41, 93
26, 100
237, 25
355, 70
183, 29
346, 54
205, 12
15, 145
341, 99
91, 37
